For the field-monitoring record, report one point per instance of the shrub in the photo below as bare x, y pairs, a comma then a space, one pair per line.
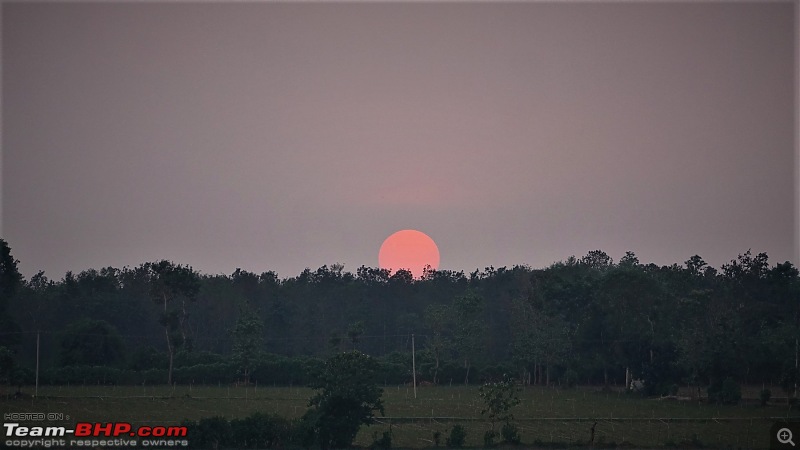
510, 433
457, 437
346, 398
488, 438
256, 431
385, 440
211, 432
260, 431
727, 393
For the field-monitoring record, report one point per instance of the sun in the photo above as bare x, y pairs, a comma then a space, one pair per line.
408, 249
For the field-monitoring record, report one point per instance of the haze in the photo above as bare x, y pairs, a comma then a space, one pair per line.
285, 136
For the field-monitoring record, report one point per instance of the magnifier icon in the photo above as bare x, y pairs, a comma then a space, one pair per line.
785, 436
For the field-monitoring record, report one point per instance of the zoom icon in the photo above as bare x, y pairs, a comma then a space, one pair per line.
782, 435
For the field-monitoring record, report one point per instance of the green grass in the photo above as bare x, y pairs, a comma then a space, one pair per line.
544, 415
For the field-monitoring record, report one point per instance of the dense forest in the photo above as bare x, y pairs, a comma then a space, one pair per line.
581, 320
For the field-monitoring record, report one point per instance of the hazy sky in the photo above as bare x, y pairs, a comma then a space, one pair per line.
285, 136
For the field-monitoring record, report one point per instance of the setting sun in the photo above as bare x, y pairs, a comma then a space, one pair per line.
408, 249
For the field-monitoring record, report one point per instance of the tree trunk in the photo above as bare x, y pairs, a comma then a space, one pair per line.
547, 374
627, 378
436, 368
171, 357
170, 350
466, 377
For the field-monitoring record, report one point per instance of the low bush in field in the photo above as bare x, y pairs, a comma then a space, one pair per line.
457, 437
726, 392
256, 431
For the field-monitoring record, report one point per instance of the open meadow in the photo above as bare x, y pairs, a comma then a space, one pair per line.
545, 416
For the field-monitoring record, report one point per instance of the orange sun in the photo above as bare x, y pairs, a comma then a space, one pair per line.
408, 249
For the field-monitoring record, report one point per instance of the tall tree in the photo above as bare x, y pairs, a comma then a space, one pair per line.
10, 278
248, 340
173, 286
437, 318
10, 283
470, 330
538, 339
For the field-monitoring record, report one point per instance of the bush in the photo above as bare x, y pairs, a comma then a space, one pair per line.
510, 433
346, 398
488, 438
144, 358
457, 437
256, 431
211, 432
260, 431
385, 440
727, 393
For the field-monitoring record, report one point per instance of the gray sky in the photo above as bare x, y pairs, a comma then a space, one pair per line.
285, 136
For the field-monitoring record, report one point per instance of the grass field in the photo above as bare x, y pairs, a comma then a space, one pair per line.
545, 416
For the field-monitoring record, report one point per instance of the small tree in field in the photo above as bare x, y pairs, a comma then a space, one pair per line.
347, 395
498, 399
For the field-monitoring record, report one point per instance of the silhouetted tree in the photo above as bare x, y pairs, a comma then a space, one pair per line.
174, 286
347, 397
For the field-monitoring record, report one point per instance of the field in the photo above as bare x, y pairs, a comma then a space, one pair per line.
547, 417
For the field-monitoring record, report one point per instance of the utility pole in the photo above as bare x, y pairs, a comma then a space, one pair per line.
413, 365
36, 389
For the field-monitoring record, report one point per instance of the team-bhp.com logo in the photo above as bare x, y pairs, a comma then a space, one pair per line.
89, 434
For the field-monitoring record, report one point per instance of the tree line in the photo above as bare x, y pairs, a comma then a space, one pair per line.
581, 320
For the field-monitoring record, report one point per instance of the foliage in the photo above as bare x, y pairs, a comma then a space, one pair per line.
260, 431
510, 433
537, 338
470, 331
669, 325
248, 340
210, 432
437, 318
10, 277
488, 438
91, 342
457, 437
170, 284
11, 282
7, 364
354, 332
346, 398
726, 392
498, 400
385, 441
